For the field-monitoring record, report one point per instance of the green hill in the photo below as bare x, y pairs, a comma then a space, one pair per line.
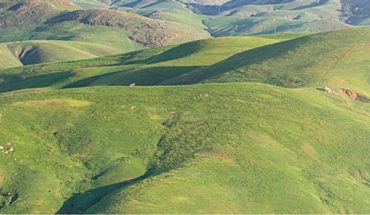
274, 145
145, 67
226, 148
46, 51
336, 59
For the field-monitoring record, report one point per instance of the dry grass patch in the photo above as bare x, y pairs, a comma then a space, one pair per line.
54, 103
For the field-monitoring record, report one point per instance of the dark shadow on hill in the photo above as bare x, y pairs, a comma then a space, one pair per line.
177, 52
11, 82
142, 77
32, 56
80, 202
160, 55
241, 61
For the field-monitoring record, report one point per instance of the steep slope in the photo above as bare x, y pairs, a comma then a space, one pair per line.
262, 149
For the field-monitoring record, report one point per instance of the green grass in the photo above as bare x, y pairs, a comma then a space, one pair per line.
204, 148
7, 59
222, 148
336, 59
145, 67
48, 51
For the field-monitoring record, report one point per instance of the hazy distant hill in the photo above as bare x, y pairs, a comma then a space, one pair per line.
235, 17
113, 30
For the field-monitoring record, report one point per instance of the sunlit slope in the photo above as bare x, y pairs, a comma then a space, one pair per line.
145, 67
227, 148
336, 59
47, 51
7, 58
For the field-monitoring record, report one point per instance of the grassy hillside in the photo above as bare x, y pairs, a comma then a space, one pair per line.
205, 148
46, 51
262, 149
7, 59
145, 67
334, 59
337, 59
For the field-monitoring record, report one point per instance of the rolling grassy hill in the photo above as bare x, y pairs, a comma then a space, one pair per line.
334, 59
46, 51
215, 148
145, 67
337, 59
273, 145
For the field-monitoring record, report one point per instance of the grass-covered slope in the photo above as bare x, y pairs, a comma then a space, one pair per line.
145, 67
47, 51
225, 148
337, 59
